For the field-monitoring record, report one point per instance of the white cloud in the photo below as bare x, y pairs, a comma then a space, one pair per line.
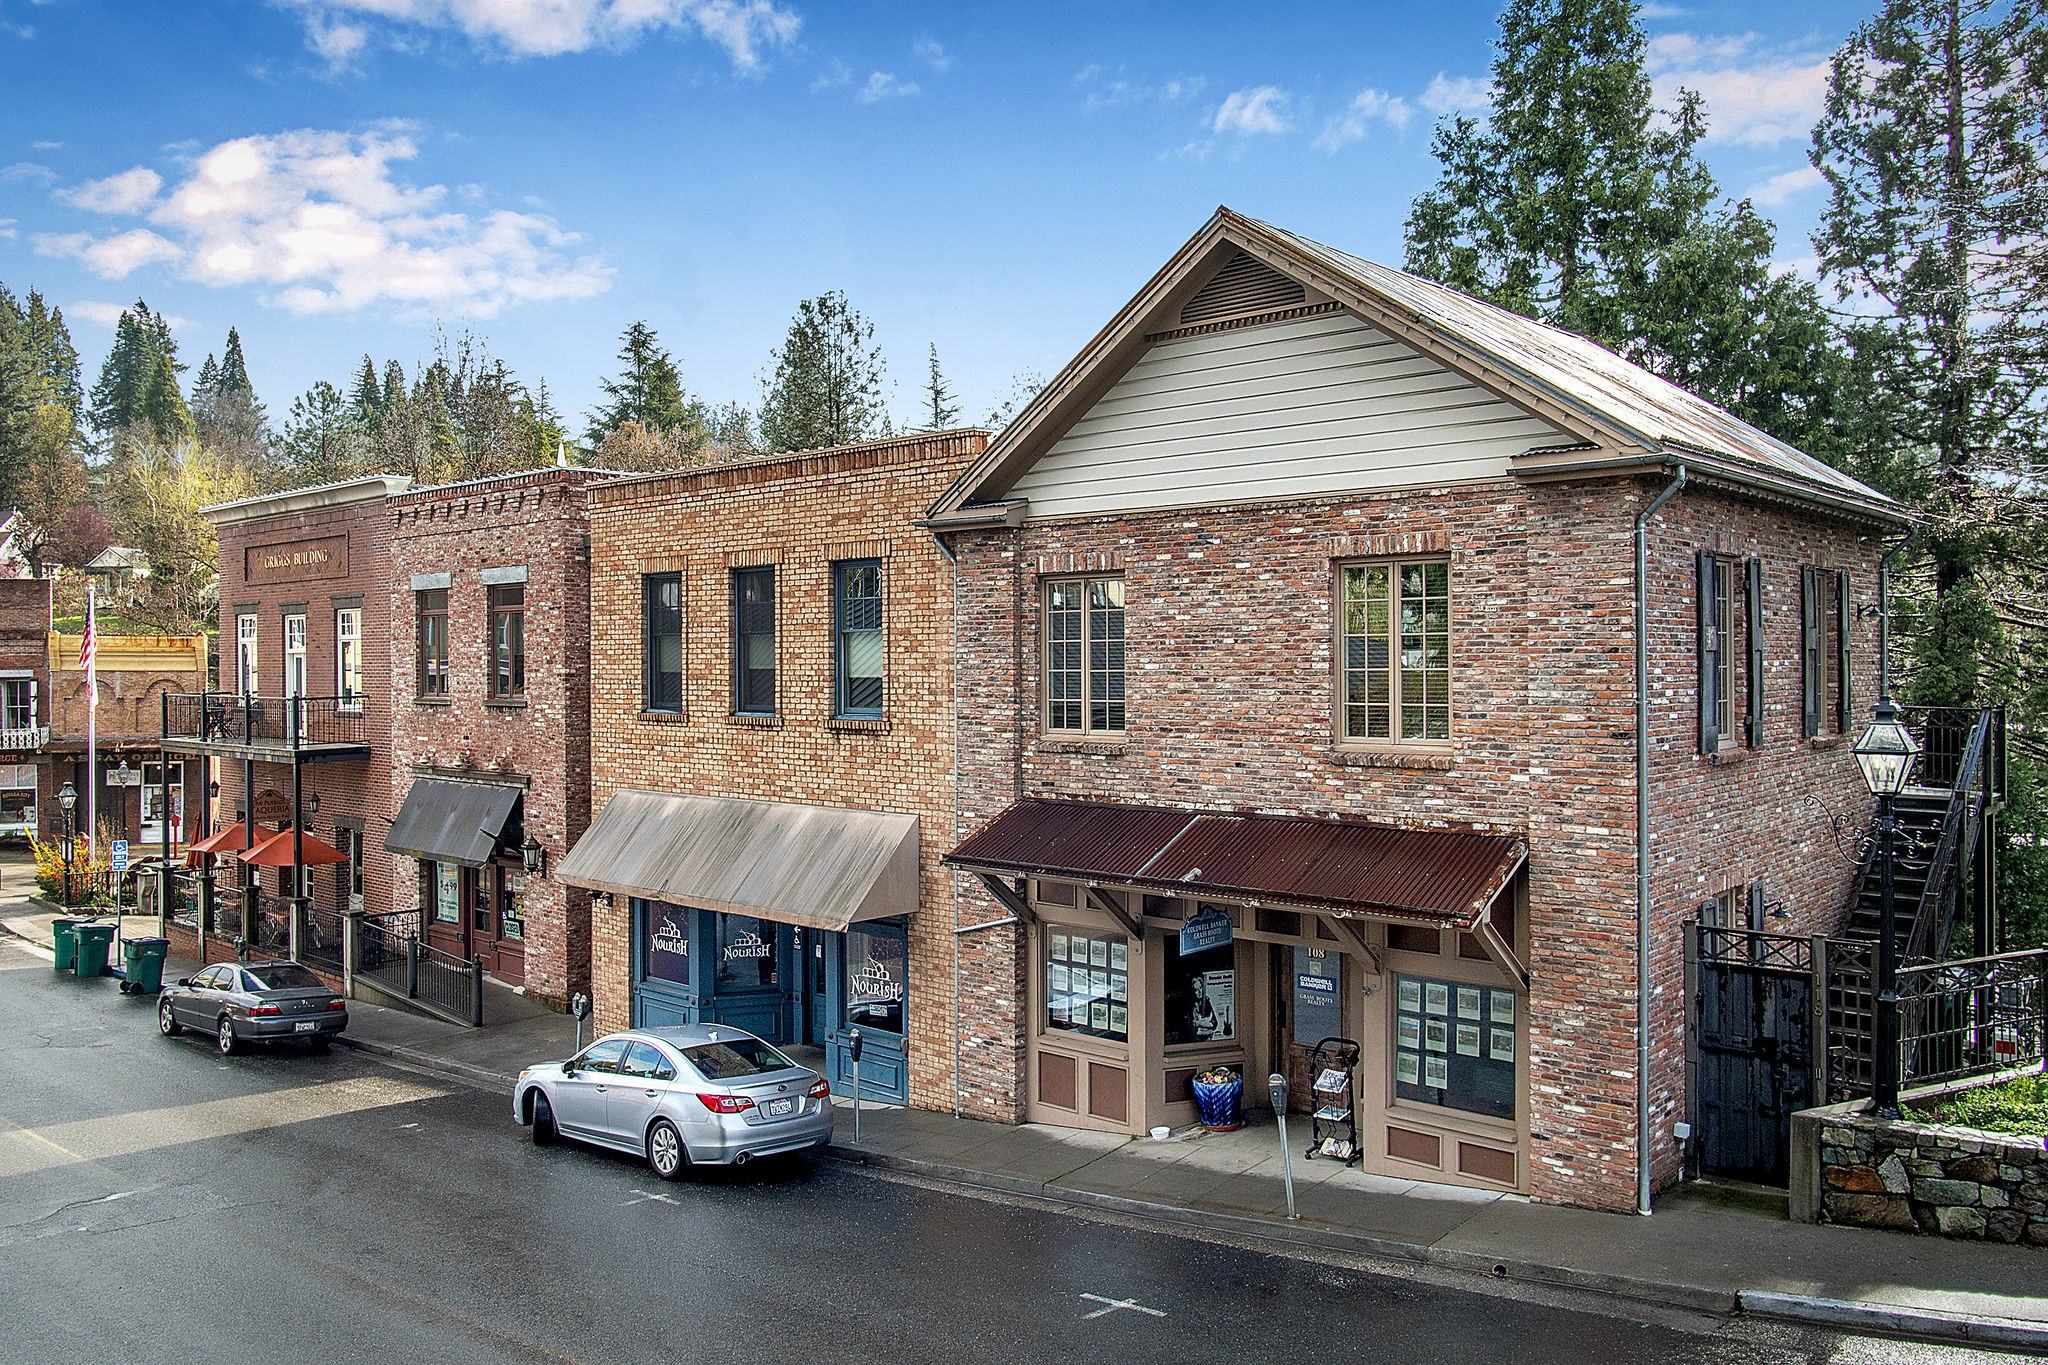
1367, 107
129, 192
1104, 89
317, 220
1456, 94
1753, 97
1655, 10
1254, 109
108, 315
9, 229
338, 30
931, 52
1784, 185
882, 85
27, 171
45, 146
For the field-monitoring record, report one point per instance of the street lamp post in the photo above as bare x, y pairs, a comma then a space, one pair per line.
1885, 753
67, 800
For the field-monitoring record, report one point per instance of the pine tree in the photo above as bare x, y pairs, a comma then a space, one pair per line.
234, 372
1932, 143
941, 409
649, 391
1578, 204
826, 388
366, 397
208, 382
322, 441
138, 385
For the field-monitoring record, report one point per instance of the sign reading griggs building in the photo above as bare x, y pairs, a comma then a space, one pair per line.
296, 561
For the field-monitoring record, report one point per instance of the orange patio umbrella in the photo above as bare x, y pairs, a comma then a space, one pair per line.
220, 841
276, 851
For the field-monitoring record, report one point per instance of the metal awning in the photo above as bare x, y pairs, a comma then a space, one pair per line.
818, 866
451, 822
1334, 866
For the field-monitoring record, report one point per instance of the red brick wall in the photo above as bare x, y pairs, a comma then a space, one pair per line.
1229, 664
805, 512
541, 520
353, 790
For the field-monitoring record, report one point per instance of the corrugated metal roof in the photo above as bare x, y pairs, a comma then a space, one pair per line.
1616, 388
818, 866
451, 822
1341, 865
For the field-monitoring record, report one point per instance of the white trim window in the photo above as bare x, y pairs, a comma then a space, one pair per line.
348, 657
295, 655
18, 704
246, 677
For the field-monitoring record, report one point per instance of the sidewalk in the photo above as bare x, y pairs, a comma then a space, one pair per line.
1702, 1248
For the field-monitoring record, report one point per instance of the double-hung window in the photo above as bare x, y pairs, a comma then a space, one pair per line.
348, 657
18, 704
663, 609
753, 641
433, 642
508, 640
857, 610
295, 655
246, 680
1084, 656
1395, 655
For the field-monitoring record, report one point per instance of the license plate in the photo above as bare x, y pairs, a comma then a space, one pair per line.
775, 1109
306, 1026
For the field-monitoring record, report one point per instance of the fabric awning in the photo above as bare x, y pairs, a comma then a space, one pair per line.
1336, 866
818, 866
451, 822
276, 851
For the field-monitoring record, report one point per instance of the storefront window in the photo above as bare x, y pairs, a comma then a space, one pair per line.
1454, 1045
1201, 994
448, 892
745, 949
512, 903
1087, 983
668, 941
874, 980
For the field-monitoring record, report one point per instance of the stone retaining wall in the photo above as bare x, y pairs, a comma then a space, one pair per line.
1849, 1166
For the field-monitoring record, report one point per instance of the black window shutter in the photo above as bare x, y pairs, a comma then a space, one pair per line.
1809, 648
1758, 912
1845, 701
1753, 600
1709, 650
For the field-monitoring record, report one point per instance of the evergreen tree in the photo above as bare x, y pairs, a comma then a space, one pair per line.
226, 416
322, 440
56, 359
208, 382
366, 396
138, 384
1936, 235
648, 391
234, 372
941, 409
1578, 204
826, 388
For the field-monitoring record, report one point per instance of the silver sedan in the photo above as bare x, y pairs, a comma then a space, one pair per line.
704, 1094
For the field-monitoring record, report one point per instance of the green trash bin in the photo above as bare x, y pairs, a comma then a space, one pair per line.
66, 942
93, 942
142, 965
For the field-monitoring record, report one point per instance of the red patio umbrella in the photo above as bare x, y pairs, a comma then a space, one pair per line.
220, 841
276, 851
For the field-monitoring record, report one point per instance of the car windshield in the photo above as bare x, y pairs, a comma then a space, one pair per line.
740, 1057
281, 976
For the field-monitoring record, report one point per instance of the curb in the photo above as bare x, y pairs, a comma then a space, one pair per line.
1921, 1324
426, 1061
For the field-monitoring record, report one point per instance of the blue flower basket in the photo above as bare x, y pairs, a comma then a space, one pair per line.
1218, 1103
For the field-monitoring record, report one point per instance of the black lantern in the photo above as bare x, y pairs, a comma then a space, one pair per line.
67, 797
313, 804
1885, 753
534, 856
213, 790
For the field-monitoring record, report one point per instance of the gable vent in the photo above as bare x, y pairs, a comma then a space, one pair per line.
1246, 285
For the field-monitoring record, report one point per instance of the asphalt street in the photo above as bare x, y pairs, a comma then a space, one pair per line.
159, 1202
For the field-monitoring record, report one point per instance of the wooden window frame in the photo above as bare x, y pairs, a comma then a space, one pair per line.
650, 699
430, 671
1396, 737
7, 707
742, 703
1090, 699
508, 658
248, 654
843, 637
348, 659
302, 654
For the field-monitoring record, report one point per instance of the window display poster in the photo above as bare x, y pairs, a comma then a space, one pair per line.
1468, 1040
1438, 994
1059, 979
1502, 1007
1410, 992
1408, 1068
1218, 990
1200, 994
1059, 946
1408, 1031
1098, 952
1436, 1034
1318, 1008
1436, 1072
1119, 957
1468, 1002
1466, 1037
1503, 1045
1119, 986
1119, 1019
1098, 1014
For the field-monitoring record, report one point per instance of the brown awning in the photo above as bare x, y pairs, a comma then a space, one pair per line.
1337, 866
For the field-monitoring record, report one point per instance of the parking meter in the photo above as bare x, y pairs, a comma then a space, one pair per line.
853, 1048
579, 1006
1276, 1085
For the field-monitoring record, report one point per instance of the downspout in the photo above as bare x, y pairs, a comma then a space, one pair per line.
953, 566
1643, 837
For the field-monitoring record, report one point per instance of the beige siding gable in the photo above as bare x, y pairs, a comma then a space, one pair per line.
1302, 408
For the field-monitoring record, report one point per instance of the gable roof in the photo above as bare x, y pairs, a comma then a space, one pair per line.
1622, 417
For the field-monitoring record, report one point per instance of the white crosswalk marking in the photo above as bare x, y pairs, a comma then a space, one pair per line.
1112, 1305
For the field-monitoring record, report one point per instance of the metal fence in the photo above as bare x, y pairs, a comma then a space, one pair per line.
266, 722
403, 966
1978, 1015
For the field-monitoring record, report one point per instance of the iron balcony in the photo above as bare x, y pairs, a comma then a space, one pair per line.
287, 729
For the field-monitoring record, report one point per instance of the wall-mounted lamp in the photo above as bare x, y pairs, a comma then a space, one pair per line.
313, 803
535, 857
213, 790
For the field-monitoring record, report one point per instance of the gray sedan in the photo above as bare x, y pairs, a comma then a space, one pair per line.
247, 1002
703, 1094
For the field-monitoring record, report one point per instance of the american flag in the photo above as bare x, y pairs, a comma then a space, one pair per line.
88, 652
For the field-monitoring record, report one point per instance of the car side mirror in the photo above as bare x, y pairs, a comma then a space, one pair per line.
568, 1068
184, 981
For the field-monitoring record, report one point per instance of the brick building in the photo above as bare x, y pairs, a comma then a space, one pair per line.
27, 792
772, 744
1296, 629
301, 722
490, 698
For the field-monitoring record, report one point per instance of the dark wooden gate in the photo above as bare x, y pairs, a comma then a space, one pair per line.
1751, 1051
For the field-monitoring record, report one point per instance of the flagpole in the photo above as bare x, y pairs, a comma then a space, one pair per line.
92, 726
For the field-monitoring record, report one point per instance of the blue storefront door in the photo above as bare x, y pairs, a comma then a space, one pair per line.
752, 966
869, 987
818, 949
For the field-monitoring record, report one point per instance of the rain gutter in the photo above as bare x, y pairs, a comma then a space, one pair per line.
1643, 837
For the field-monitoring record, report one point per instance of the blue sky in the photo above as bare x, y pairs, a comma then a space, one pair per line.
337, 177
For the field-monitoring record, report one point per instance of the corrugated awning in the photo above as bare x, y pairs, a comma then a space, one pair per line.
818, 866
451, 822
1336, 866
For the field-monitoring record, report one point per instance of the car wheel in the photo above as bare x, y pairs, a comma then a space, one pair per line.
229, 1044
665, 1150
166, 1022
543, 1121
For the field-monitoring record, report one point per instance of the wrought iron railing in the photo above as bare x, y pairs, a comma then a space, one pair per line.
1850, 1005
404, 966
266, 722
1756, 948
1978, 1015
1934, 916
